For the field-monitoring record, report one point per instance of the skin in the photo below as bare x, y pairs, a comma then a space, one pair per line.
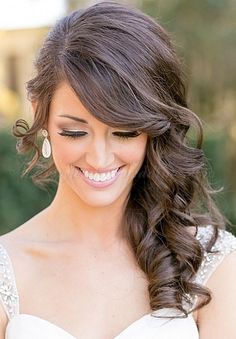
79, 232
99, 211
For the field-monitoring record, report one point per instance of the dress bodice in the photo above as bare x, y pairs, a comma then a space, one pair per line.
158, 324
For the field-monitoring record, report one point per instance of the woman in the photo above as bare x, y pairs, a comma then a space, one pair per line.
124, 250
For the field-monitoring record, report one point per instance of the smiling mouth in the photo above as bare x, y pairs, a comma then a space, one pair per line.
100, 177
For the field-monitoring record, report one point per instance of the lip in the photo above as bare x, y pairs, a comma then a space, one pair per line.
99, 184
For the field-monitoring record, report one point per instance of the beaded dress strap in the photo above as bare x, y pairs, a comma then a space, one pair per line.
8, 290
224, 245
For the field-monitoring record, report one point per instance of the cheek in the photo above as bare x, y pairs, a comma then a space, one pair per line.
65, 152
134, 153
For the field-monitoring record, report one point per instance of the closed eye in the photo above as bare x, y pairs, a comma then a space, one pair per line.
127, 134
78, 134
72, 134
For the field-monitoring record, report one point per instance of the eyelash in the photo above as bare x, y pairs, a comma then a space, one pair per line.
78, 134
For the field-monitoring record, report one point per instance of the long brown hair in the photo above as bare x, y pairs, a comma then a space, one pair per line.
123, 67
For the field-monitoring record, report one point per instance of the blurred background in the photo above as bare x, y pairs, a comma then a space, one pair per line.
204, 33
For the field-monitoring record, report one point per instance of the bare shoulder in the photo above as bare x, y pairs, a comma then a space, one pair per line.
12, 239
25, 234
22, 245
217, 319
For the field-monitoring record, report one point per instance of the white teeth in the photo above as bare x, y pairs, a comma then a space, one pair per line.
100, 176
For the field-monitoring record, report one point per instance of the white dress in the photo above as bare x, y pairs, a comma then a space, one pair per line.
27, 326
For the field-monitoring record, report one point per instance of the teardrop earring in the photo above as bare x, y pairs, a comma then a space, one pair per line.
46, 148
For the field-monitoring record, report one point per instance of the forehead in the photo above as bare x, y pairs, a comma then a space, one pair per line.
65, 100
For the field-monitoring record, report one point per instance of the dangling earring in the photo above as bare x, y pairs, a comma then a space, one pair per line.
46, 148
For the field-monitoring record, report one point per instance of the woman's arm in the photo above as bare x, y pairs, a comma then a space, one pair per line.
217, 320
3, 322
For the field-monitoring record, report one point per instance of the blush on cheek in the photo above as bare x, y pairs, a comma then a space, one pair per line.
67, 152
135, 154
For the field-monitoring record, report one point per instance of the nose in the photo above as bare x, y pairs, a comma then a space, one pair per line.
100, 155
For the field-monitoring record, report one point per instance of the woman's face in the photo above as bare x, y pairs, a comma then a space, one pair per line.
94, 160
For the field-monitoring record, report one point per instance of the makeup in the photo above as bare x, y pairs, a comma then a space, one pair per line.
99, 184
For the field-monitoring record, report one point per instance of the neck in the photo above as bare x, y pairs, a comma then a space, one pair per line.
71, 219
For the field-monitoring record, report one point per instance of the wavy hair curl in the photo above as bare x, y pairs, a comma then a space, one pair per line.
122, 65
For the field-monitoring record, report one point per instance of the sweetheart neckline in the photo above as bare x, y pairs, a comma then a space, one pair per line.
68, 333
73, 337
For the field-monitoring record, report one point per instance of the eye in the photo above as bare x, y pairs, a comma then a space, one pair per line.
72, 134
126, 135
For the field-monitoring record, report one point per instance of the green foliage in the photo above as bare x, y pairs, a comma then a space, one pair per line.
219, 163
20, 199
204, 34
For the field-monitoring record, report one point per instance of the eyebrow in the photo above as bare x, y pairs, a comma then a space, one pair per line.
73, 118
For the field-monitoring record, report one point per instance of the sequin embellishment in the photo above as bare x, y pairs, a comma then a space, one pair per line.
224, 245
8, 291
